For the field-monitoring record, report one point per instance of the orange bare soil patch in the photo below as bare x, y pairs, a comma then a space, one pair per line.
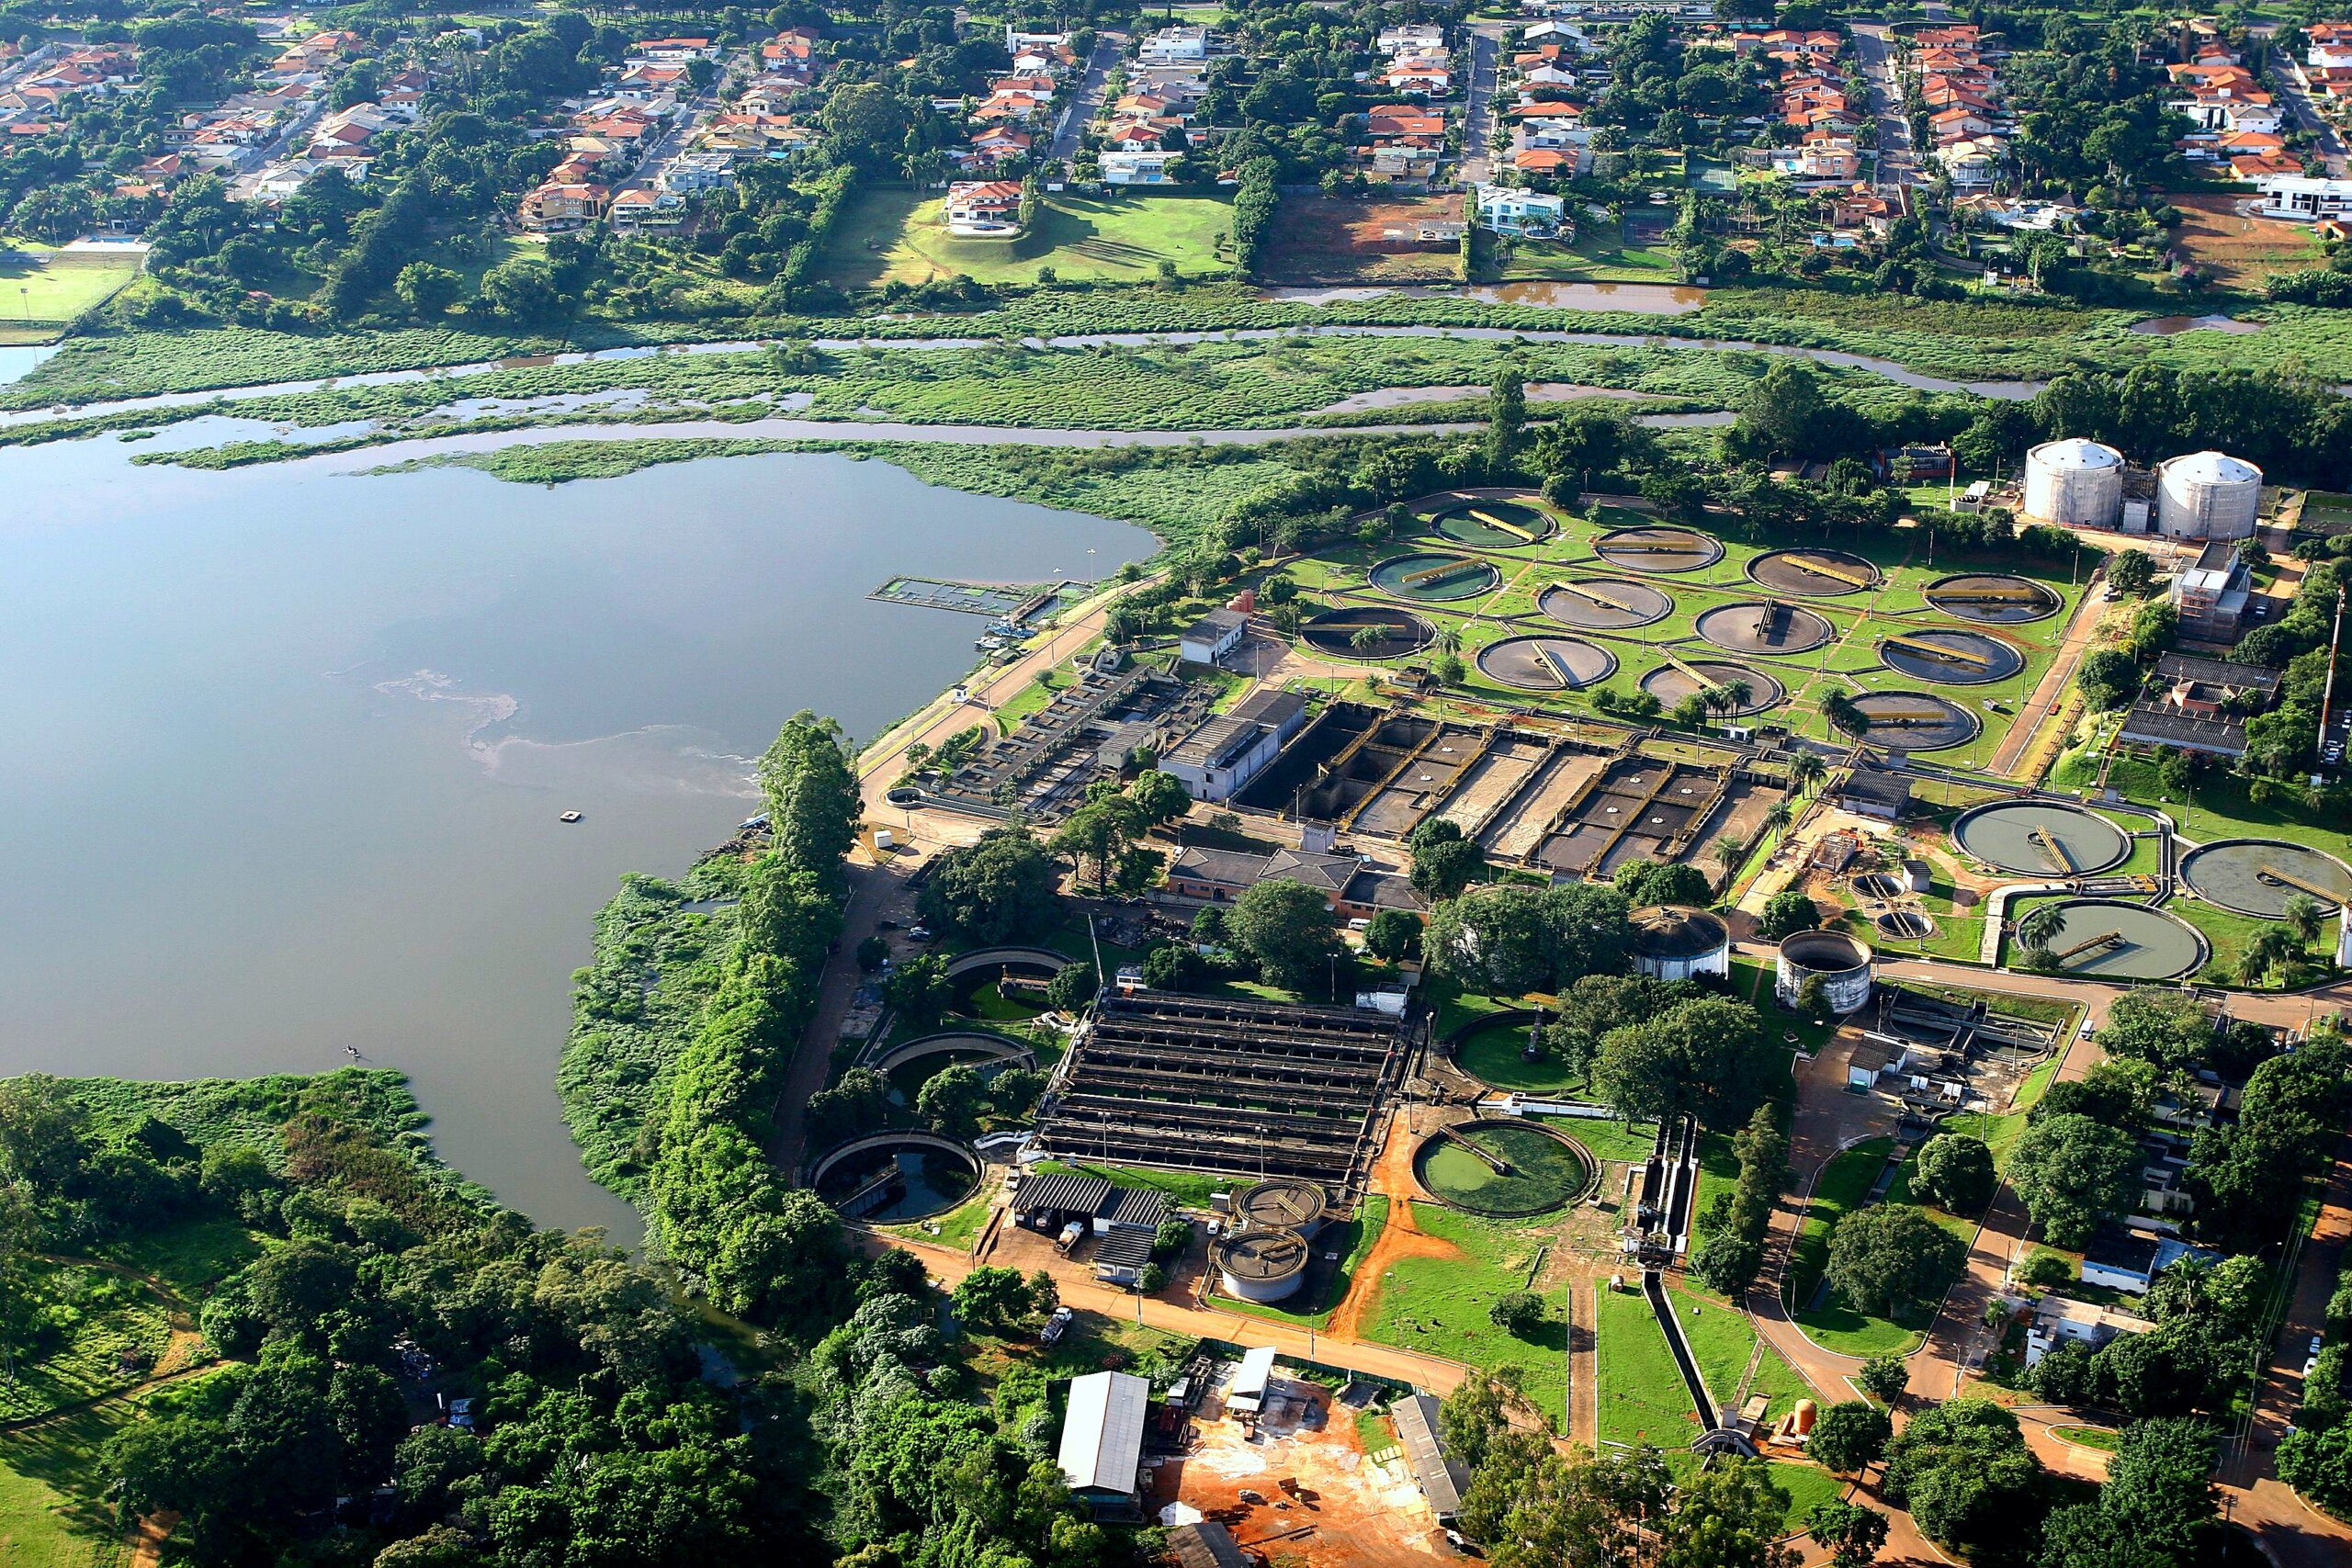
1326, 239
1402, 1237
2239, 250
1298, 1490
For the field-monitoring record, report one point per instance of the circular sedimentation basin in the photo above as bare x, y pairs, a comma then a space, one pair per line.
1816, 574
1948, 657
1659, 548
1877, 885
1493, 525
1546, 663
1993, 597
1605, 603
1540, 1170
2041, 838
1916, 721
1766, 626
1262, 1256
1670, 683
1908, 925
1334, 631
1281, 1204
930, 1180
2256, 876
2129, 942
1435, 577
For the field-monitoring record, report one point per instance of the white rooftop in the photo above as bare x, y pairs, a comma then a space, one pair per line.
1102, 1436
2077, 453
2213, 468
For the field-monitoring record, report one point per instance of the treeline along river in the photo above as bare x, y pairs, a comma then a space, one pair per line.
287, 745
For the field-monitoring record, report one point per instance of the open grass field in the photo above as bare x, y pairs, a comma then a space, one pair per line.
1724, 1340
42, 289
52, 1512
2237, 249
899, 236
1495, 1056
1849, 663
1439, 1304
1342, 240
1642, 1399
1599, 253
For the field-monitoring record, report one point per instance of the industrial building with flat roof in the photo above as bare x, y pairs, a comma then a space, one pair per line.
2199, 704
1241, 1089
1226, 752
1102, 1449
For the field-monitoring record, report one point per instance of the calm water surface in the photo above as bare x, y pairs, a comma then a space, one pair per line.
286, 747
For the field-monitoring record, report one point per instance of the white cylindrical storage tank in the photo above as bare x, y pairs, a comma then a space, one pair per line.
1260, 1266
1284, 1204
1672, 942
1842, 964
2073, 481
2207, 495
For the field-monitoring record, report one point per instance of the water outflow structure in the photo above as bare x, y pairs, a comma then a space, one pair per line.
1654, 1287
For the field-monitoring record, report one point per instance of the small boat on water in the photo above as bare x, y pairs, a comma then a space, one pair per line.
569, 816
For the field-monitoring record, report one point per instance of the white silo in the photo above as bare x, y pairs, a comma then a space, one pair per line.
2207, 495
2073, 481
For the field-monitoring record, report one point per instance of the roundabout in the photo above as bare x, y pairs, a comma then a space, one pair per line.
1546, 663
1435, 577
1659, 548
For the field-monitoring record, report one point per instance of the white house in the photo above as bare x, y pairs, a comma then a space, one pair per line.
1174, 46
691, 171
1502, 211
1138, 168
1213, 637
984, 209
1410, 38
2305, 200
2058, 1321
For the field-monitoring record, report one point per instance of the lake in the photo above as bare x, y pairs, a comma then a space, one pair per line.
288, 745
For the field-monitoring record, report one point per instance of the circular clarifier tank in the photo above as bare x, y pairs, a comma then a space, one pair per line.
1816, 574
2257, 876
1669, 684
1909, 925
2041, 838
1546, 663
1916, 721
1950, 657
2111, 940
1435, 577
1993, 597
1335, 631
1765, 626
1659, 548
1493, 525
1605, 603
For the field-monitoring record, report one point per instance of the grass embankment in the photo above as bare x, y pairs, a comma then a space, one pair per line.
901, 236
1439, 1304
1496, 1055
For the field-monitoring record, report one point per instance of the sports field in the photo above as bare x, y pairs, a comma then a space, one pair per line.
43, 289
899, 236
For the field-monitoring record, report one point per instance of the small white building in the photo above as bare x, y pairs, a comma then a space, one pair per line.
1174, 46
1213, 637
1530, 214
1138, 168
1101, 1447
691, 172
2305, 200
987, 210
2059, 1321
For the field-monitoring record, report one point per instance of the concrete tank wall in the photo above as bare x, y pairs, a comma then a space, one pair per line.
2074, 482
2207, 495
1842, 962
1253, 1287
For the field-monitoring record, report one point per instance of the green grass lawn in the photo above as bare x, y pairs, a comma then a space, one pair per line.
2220, 808
1439, 1304
1806, 1485
1834, 1324
53, 1511
1625, 1143
956, 1228
41, 289
1597, 255
107, 1331
1642, 1399
1724, 1340
193, 1256
1493, 1055
2104, 1438
899, 236
1353, 1239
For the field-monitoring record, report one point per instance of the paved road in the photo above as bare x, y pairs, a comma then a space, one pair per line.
948, 1265
1087, 101
2288, 78
2082, 633
1874, 54
1478, 101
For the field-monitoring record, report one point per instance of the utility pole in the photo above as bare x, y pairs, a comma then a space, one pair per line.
2327, 689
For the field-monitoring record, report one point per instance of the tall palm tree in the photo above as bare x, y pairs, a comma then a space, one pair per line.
1729, 851
2042, 925
1736, 694
2304, 917
1805, 770
1448, 638
1777, 821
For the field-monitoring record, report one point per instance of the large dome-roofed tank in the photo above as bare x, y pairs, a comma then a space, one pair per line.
2073, 481
1672, 942
2207, 495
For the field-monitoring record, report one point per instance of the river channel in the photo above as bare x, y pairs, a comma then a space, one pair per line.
288, 745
